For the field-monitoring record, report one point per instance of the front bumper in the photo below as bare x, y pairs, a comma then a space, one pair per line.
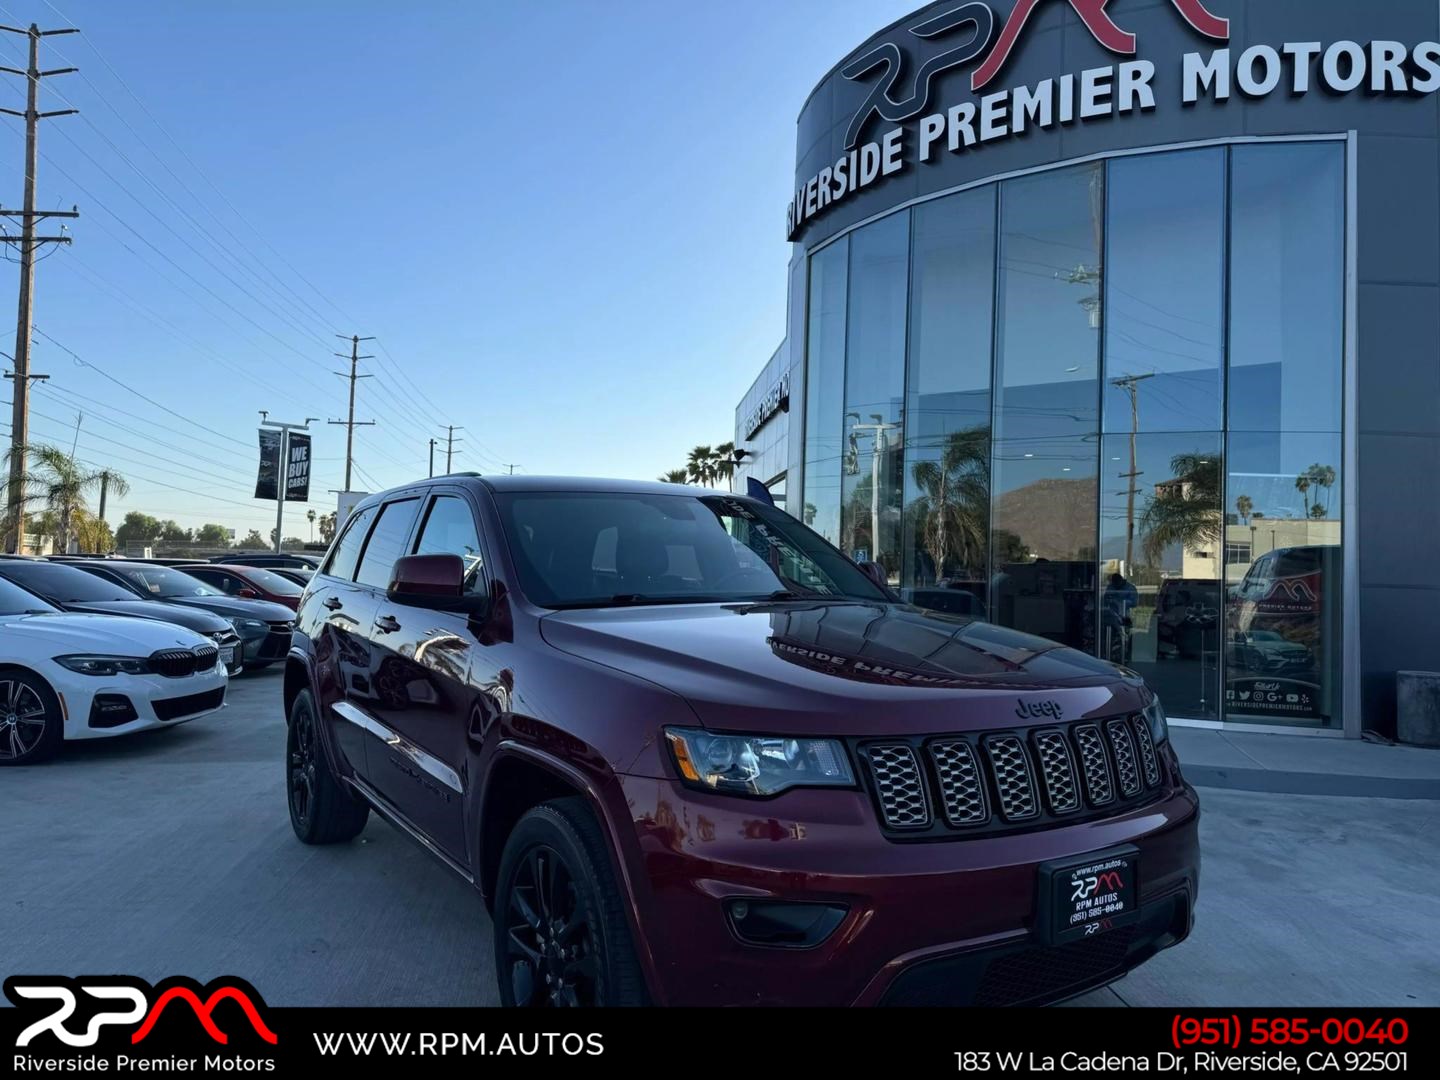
946, 922
92, 708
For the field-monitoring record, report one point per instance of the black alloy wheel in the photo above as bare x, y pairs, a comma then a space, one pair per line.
561, 928
551, 950
322, 811
302, 752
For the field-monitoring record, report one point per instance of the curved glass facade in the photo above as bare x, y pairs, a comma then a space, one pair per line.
1103, 404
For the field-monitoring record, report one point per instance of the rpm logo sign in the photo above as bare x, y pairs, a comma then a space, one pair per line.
79, 1013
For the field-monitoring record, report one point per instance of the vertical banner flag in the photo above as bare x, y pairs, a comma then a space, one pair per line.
297, 473
269, 464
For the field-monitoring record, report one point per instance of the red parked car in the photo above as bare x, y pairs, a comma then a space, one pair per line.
690, 754
248, 582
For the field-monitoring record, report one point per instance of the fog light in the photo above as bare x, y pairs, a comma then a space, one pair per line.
783, 924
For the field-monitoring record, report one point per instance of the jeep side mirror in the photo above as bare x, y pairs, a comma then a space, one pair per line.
434, 581
248, 593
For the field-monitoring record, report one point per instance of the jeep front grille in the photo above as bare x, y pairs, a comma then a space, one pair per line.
962, 788
1004, 781
898, 783
1014, 782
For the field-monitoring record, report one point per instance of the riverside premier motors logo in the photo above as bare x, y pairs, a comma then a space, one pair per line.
77, 1013
979, 21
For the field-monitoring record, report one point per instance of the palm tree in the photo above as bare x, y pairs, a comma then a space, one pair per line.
1244, 506
1322, 477
674, 476
701, 465
61, 483
724, 461
310, 517
1302, 485
1186, 510
952, 511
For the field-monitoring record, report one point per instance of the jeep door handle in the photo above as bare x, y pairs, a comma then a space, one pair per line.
333, 603
387, 624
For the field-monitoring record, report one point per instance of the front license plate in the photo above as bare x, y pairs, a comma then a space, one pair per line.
1080, 898
227, 655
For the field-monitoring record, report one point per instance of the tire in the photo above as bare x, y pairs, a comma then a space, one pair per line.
32, 727
322, 811
575, 935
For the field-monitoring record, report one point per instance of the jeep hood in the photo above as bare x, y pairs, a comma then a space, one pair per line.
845, 668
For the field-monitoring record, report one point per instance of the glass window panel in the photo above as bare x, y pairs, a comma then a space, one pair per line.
1164, 292
1049, 305
947, 416
1161, 552
387, 542
1287, 291
874, 393
1283, 577
825, 389
1043, 551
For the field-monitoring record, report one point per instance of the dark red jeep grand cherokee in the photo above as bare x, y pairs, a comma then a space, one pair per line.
690, 754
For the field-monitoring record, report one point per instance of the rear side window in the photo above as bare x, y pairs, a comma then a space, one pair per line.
449, 529
387, 542
347, 550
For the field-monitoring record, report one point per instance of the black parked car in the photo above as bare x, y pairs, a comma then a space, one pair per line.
263, 627
272, 561
69, 588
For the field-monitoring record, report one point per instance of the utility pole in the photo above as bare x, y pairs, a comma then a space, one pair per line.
450, 446
1131, 385
509, 468
29, 242
283, 472
432, 457
350, 423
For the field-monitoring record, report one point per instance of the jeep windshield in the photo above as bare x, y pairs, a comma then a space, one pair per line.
613, 549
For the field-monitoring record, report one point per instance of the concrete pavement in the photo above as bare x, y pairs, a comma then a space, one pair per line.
171, 853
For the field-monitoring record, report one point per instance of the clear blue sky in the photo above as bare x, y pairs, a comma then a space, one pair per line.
564, 221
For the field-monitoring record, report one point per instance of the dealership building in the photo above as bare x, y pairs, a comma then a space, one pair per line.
1119, 323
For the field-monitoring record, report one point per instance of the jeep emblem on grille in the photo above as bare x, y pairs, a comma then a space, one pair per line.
1039, 710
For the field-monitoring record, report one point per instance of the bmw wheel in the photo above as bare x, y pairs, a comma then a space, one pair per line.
31, 724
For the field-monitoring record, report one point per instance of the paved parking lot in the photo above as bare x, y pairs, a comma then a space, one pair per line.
172, 853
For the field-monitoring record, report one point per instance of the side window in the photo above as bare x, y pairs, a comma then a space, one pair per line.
449, 529
347, 552
387, 542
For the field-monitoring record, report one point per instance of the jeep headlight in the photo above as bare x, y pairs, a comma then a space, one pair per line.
1155, 719
757, 764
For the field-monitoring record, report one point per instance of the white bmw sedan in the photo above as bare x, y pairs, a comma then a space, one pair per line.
68, 676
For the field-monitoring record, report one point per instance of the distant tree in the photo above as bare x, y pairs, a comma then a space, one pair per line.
952, 510
1319, 513
701, 465
1244, 506
675, 476
1302, 485
91, 533
327, 526
138, 530
723, 467
172, 533
58, 481
310, 517
1186, 511
253, 539
213, 536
